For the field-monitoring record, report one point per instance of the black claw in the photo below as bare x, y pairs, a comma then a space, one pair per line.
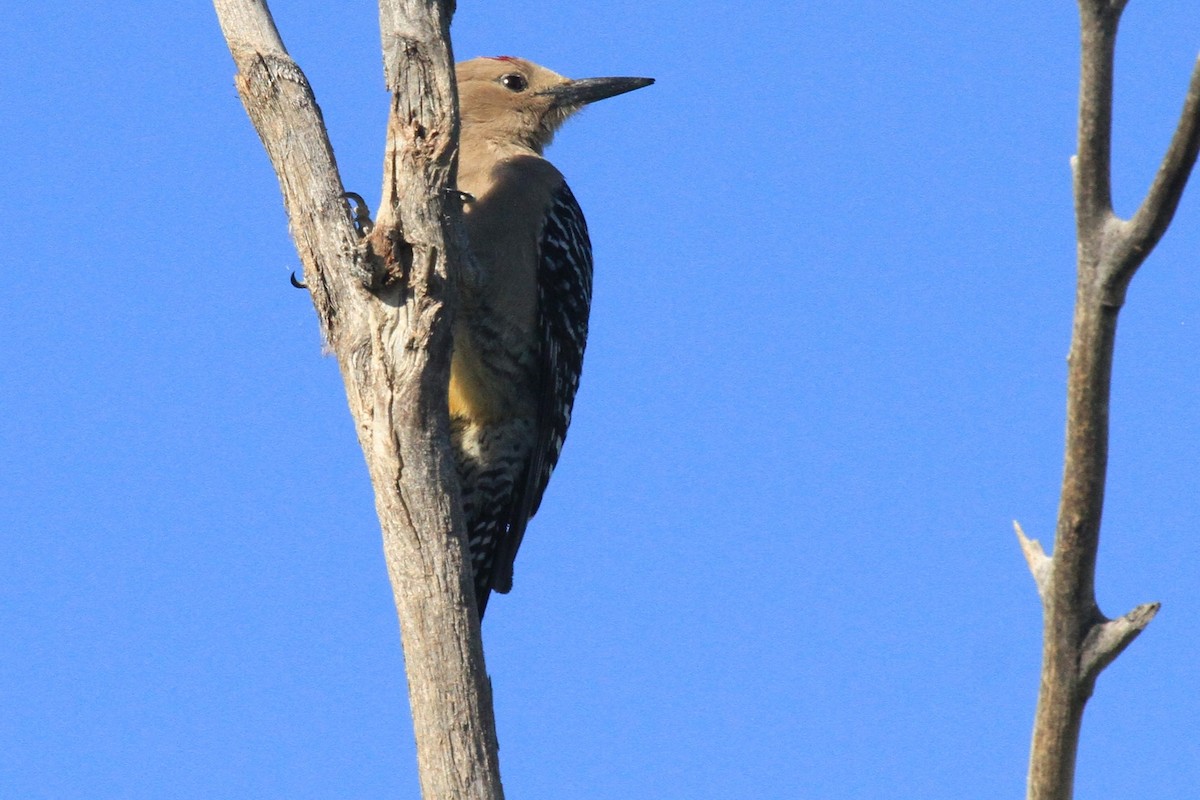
298, 283
360, 211
463, 197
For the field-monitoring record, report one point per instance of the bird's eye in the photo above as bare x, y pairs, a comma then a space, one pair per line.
514, 82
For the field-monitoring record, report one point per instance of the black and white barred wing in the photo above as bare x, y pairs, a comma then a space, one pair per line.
564, 303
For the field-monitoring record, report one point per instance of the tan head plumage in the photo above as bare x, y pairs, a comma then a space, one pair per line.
507, 99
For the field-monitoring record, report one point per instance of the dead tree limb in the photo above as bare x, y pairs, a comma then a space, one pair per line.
385, 304
1079, 641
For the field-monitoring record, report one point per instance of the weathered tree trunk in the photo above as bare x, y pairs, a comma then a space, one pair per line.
385, 304
1078, 640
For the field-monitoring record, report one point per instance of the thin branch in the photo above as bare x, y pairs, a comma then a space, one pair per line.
280, 102
1078, 641
1150, 222
1093, 192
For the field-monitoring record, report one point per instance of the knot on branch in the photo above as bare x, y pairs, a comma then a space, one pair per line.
263, 74
388, 258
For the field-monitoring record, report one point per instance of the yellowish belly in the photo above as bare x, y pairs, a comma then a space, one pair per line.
469, 396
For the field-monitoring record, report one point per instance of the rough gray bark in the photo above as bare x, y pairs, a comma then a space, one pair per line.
384, 304
1078, 640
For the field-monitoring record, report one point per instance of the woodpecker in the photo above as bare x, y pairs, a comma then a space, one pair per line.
522, 324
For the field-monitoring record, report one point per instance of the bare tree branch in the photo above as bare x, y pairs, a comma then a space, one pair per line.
284, 112
1093, 192
1104, 642
385, 306
1151, 220
1078, 640
449, 689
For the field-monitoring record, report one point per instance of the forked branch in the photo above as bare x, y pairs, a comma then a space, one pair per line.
385, 306
1079, 641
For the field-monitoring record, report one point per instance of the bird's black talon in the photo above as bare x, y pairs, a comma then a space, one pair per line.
298, 283
463, 197
360, 205
360, 211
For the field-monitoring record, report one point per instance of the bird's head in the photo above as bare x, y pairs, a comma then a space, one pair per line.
511, 99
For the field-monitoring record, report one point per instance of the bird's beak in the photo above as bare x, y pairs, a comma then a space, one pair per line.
589, 90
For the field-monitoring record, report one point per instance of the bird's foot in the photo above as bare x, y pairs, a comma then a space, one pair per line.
360, 212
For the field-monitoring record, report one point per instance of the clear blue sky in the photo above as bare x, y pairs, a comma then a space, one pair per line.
834, 250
